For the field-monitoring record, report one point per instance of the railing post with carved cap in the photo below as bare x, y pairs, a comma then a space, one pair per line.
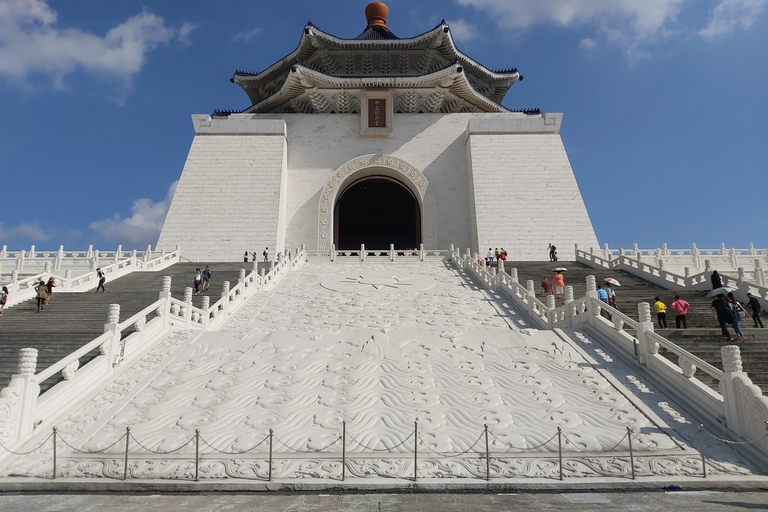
225, 296
26, 385
733, 403
646, 347
205, 308
113, 319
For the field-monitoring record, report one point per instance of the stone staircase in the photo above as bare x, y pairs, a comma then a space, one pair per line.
73, 319
702, 338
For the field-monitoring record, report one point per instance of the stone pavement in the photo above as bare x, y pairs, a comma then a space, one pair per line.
679, 501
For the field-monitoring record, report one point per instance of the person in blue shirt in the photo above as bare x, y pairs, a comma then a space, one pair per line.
603, 296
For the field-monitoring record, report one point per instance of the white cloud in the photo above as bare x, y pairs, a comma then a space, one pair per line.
142, 227
462, 31
27, 231
587, 44
730, 14
32, 44
246, 35
184, 31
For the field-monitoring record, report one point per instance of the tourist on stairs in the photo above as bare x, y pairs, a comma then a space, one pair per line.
722, 313
753, 301
737, 312
716, 281
661, 312
559, 281
198, 279
49, 286
42, 294
3, 299
681, 310
102, 279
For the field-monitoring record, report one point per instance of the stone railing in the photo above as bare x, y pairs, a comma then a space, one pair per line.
753, 260
34, 261
740, 407
390, 254
118, 265
740, 284
23, 409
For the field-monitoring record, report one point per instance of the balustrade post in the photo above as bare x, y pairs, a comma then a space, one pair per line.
206, 307
723, 251
134, 257
665, 249
118, 253
32, 251
114, 355
59, 257
48, 267
707, 266
513, 275
734, 258
752, 249
89, 254
530, 287
696, 256
607, 252
759, 274
734, 406
636, 250
4, 252
362, 252
188, 306
255, 266
391, 252
646, 347
421, 252
592, 308
225, 296
241, 276
148, 254
333, 252
24, 385
20, 261
500, 266
14, 280
165, 294
551, 310
742, 275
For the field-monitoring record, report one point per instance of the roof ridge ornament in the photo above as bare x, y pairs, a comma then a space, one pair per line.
377, 13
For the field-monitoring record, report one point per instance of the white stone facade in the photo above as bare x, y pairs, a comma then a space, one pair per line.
493, 180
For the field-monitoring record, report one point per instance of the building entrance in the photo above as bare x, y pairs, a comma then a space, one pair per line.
377, 211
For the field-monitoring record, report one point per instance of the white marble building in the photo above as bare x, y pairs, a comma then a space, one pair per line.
377, 140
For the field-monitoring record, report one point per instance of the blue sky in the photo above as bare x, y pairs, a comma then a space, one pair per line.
665, 104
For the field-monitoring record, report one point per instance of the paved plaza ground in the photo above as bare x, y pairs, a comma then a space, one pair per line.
677, 501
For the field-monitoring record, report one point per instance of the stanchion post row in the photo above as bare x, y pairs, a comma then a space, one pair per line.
343, 450
487, 456
269, 475
631, 454
701, 451
197, 455
125, 461
415, 450
560, 451
54, 453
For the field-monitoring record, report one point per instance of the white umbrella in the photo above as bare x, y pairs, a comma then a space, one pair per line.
723, 290
612, 281
560, 269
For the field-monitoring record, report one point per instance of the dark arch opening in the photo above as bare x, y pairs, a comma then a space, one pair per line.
377, 211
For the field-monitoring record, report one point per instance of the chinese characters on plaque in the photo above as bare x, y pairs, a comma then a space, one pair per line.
377, 117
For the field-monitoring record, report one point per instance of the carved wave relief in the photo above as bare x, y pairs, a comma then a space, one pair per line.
378, 346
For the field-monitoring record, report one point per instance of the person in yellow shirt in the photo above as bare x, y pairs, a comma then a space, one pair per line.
661, 312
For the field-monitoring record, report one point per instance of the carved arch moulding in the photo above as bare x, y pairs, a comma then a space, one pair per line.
372, 165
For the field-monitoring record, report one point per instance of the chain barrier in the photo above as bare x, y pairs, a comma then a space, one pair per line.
738, 443
150, 450
209, 445
450, 454
380, 449
617, 444
527, 448
636, 437
30, 451
102, 450
297, 450
569, 440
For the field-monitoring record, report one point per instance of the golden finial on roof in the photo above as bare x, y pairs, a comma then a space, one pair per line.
376, 13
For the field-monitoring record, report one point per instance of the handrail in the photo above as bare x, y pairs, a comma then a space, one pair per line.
77, 354
144, 312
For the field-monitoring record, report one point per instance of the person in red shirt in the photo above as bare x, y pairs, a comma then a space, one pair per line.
681, 309
546, 286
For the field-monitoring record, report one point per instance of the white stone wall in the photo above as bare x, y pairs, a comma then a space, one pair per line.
525, 194
230, 197
264, 173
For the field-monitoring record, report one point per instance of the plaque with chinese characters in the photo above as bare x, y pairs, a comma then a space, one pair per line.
377, 113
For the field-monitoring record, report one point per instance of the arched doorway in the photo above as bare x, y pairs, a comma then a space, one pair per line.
377, 211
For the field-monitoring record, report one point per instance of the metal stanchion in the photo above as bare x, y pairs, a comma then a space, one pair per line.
703, 458
343, 450
125, 462
197, 455
487, 456
560, 450
415, 449
631, 454
54, 453
269, 478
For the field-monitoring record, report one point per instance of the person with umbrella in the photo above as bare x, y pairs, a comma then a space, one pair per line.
609, 284
559, 281
722, 313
